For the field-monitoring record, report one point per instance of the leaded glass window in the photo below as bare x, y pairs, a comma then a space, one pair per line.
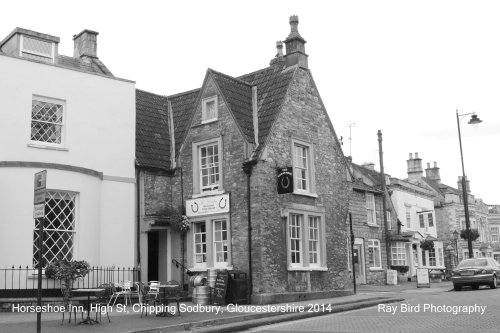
59, 228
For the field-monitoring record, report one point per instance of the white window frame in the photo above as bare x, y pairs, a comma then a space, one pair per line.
309, 168
370, 211
57, 222
201, 243
197, 172
433, 257
398, 254
389, 219
408, 216
224, 242
204, 103
494, 232
210, 241
376, 252
50, 58
303, 240
62, 124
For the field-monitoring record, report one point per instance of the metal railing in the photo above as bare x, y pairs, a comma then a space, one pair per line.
23, 281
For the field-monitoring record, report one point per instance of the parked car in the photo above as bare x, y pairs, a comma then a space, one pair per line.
475, 272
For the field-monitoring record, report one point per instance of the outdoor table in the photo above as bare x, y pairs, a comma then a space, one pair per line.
165, 302
88, 320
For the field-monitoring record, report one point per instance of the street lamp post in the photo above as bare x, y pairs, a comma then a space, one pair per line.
455, 240
474, 120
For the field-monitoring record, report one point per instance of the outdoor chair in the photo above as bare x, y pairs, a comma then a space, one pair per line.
124, 288
102, 301
173, 293
147, 296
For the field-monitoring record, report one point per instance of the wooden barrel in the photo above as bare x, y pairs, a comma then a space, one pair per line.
194, 296
212, 274
198, 280
202, 295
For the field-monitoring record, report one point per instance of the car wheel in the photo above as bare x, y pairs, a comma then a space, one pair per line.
475, 286
493, 285
457, 287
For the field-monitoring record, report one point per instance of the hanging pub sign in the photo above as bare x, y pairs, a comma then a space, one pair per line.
285, 180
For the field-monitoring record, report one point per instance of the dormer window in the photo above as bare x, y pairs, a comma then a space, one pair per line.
209, 109
37, 49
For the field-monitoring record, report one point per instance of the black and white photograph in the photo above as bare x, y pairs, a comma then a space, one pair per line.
249, 166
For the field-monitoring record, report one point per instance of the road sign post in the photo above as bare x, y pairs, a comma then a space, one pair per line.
39, 215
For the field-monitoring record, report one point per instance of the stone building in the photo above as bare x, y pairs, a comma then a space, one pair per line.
221, 154
369, 228
450, 215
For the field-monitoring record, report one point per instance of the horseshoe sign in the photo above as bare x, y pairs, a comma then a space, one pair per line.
285, 180
215, 204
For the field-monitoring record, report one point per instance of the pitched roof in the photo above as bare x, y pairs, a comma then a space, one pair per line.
238, 96
183, 106
361, 183
93, 65
152, 142
439, 187
272, 85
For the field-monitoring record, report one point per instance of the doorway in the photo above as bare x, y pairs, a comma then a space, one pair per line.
359, 262
153, 246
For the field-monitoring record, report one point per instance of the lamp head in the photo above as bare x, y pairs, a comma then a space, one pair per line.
474, 120
455, 235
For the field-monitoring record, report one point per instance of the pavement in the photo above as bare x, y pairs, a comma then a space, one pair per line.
196, 318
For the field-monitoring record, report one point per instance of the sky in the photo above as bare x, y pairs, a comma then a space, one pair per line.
402, 67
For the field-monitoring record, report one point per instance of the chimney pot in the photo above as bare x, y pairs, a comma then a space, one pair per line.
279, 48
411, 156
428, 165
416, 155
435, 164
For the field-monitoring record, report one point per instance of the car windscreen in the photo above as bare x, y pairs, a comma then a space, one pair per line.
473, 263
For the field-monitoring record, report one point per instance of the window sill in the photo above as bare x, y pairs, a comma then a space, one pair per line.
203, 122
307, 269
204, 269
374, 225
306, 194
376, 269
42, 146
207, 194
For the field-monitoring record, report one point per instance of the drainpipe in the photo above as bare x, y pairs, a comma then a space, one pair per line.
247, 168
138, 226
183, 235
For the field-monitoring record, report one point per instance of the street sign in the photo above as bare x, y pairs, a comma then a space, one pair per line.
40, 180
39, 211
39, 196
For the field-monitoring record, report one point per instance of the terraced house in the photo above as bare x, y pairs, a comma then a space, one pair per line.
70, 116
254, 163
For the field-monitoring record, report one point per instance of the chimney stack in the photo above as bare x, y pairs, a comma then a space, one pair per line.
85, 44
467, 184
369, 165
295, 45
415, 171
433, 173
279, 54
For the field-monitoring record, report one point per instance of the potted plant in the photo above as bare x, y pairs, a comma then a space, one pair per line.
67, 272
427, 245
473, 234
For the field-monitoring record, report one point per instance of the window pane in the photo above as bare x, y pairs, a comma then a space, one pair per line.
200, 239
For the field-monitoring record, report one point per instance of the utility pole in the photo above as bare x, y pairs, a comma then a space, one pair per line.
384, 198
